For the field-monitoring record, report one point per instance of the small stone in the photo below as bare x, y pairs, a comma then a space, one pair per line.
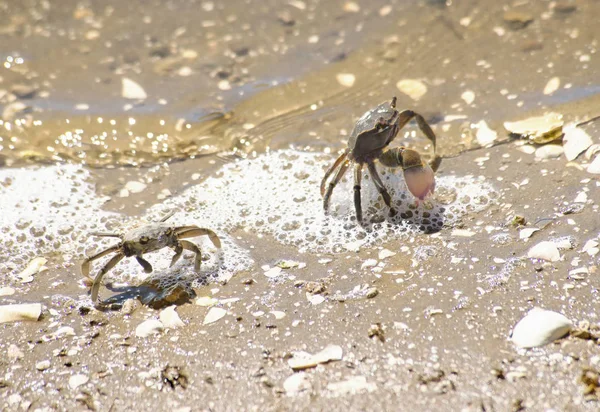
552, 86
468, 96
385, 253
206, 301
415, 89
76, 381
371, 293
6, 291
540, 327
135, 187
42, 365
544, 250
14, 353
549, 151
346, 79
517, 20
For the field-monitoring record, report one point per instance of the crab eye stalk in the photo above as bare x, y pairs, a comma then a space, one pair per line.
144, 240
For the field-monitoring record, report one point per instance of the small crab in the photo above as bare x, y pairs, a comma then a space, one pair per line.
373, 132
145, 239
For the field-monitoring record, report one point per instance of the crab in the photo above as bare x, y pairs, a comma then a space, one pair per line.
368, 142
145, 239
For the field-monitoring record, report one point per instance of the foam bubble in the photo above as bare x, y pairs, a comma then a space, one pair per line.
277, 194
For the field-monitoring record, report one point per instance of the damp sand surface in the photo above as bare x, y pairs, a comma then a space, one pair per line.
235, 112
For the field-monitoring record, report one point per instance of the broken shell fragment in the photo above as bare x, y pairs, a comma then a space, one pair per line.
540, 327
132, 90
213, 315
304, 360
544, 250
149, 327
36, 265
575, 142
296, 384
170, 318
15, 313
594, 167
539, 129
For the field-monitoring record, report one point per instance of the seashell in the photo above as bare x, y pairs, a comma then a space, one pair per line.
540, 327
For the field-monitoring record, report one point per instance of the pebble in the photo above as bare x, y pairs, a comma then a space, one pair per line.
346, 79
76, 381
552, 85
7, 291
42, 365
540, 327
371, 293
415, 89
549, 151
385, 253
544, 250
468, 96
135, 186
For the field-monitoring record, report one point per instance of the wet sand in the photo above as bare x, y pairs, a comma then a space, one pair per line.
422, 319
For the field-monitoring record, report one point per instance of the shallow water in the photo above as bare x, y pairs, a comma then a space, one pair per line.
246, 105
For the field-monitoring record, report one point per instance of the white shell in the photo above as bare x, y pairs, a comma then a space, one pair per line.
297, 383
148, 327
132, 90
304, 360
15, 313
540, 327
484, 134
549, 151
575, 142
170, 319
594, 167
36, 265
213, 315
544, 250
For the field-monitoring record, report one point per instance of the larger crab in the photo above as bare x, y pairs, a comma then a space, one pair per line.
368, 142
145, 239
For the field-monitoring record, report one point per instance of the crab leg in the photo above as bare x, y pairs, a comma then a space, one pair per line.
381, 187
111, 263
335, 181
357, 203
336, 164
144, 263
85, 266
197, 231
187, 245
166, 217
178, 251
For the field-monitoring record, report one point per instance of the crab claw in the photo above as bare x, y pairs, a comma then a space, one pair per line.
420, 180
